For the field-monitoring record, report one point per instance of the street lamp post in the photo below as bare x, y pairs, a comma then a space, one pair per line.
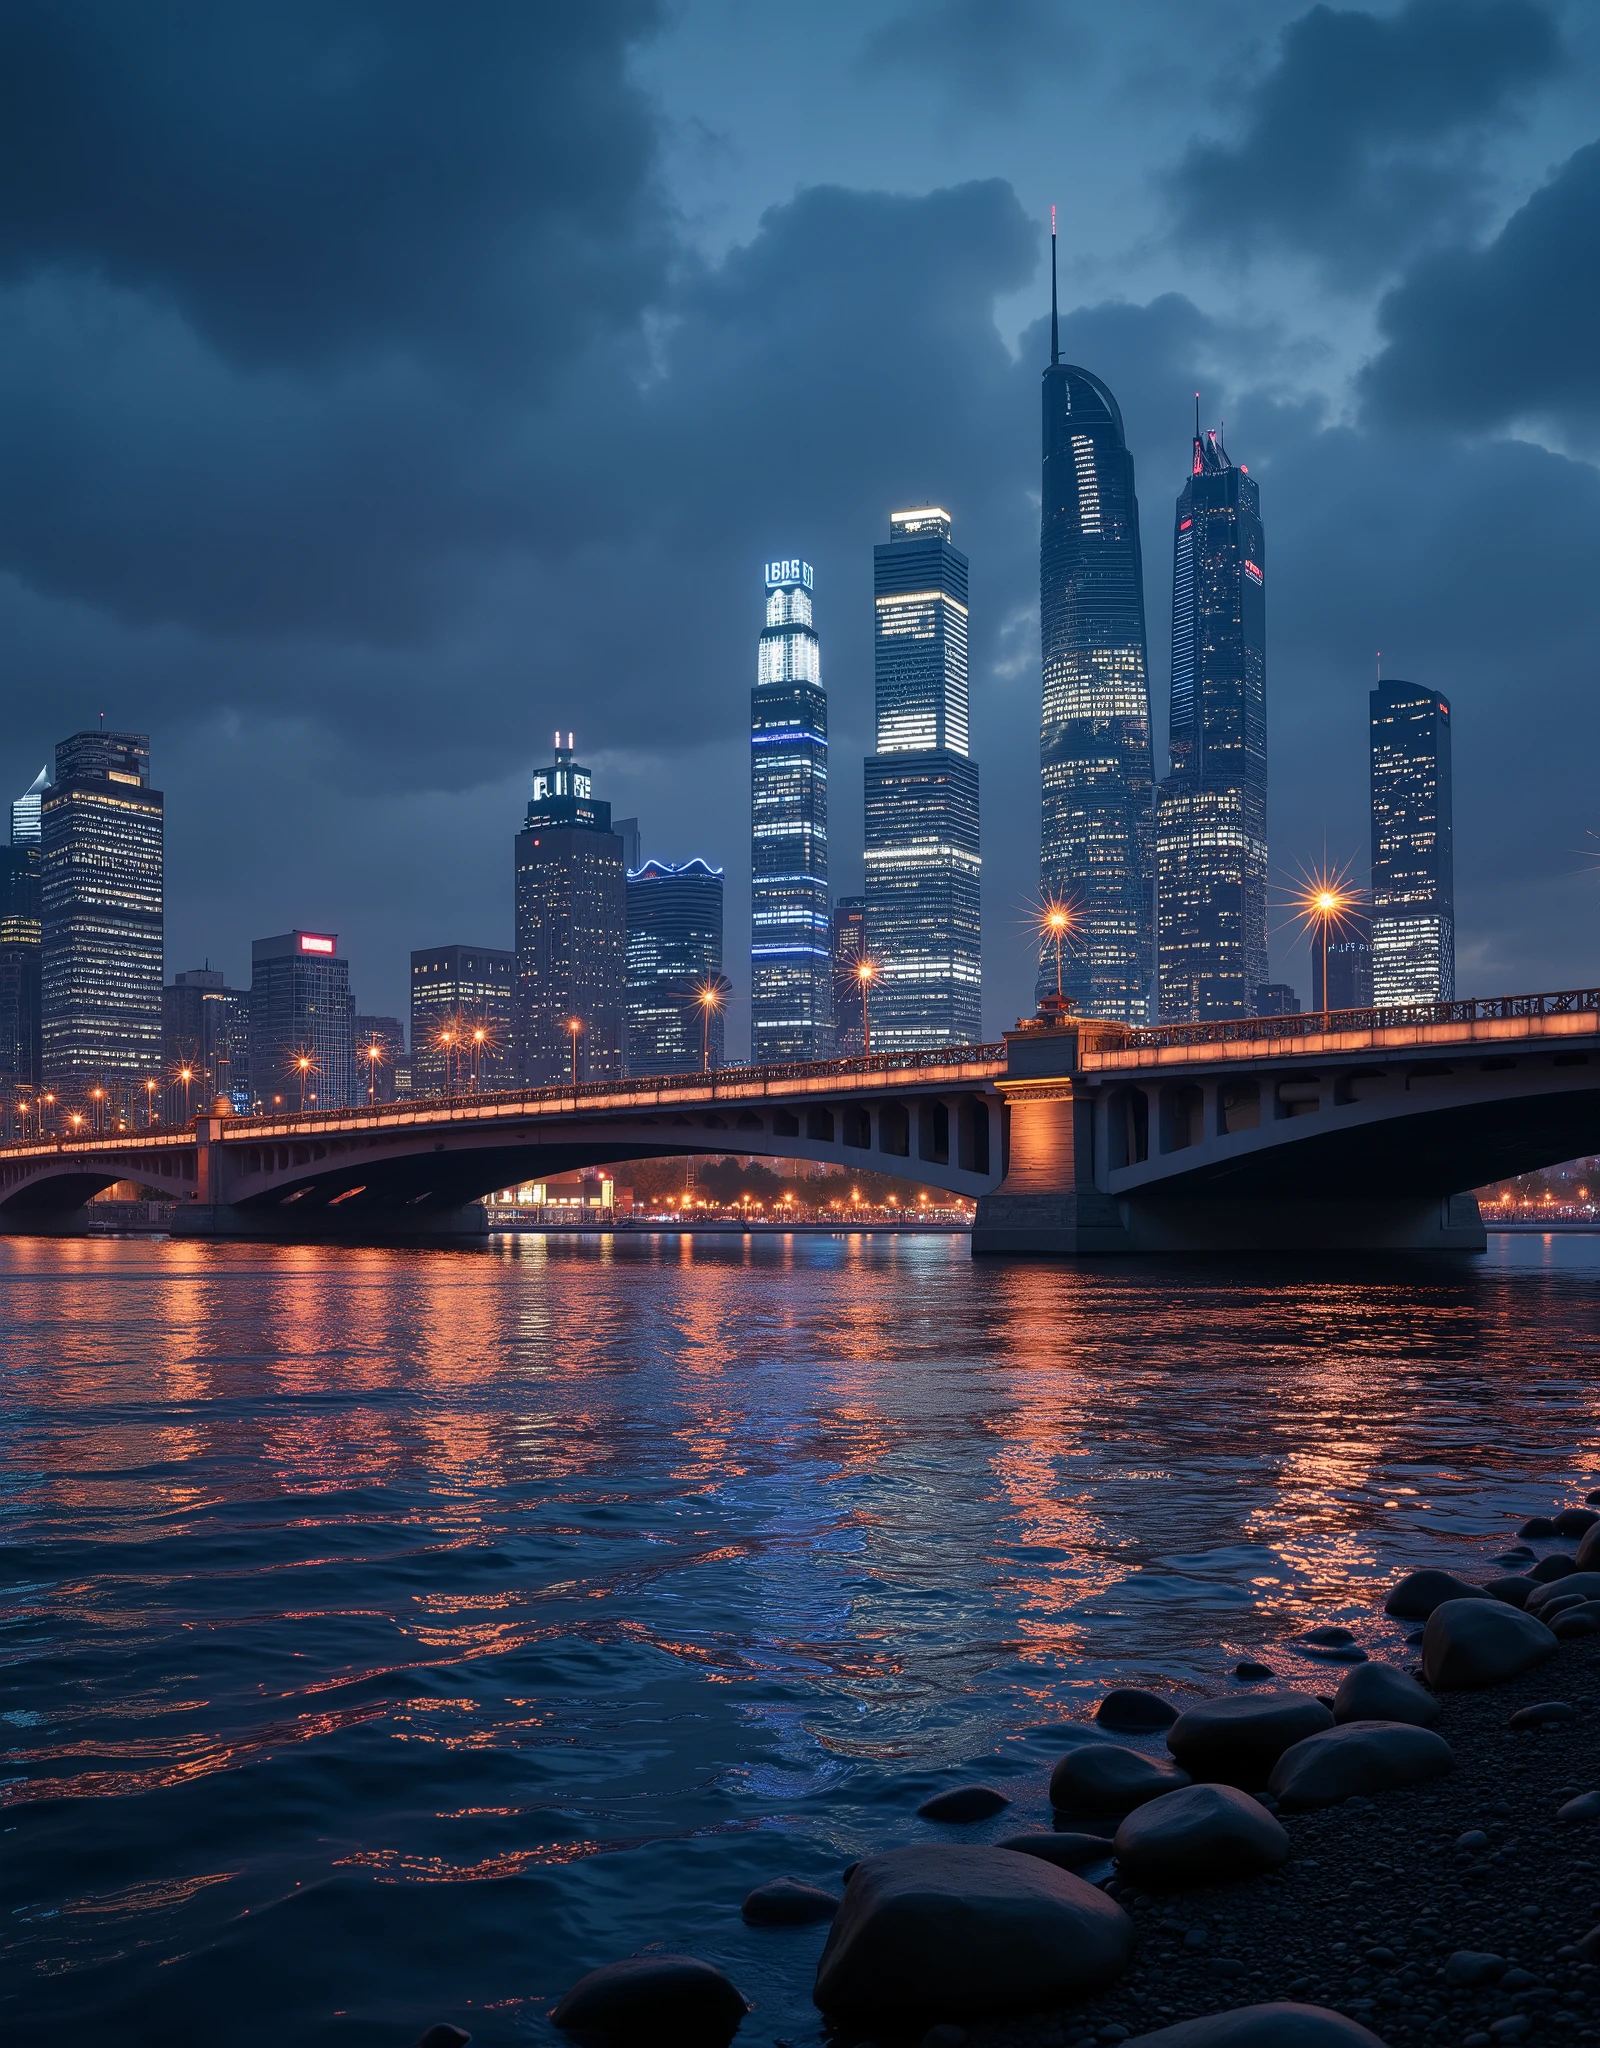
710, 994
1322, 906
149, 1105
574, 1032
373, 1055
866, 975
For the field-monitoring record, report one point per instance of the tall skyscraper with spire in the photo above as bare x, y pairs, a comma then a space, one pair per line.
1094, 742
1211, 812
921, 788
791, 975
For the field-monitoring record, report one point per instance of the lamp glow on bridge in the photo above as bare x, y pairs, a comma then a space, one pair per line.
574, 1028
375, 1057
1323, 903
711, 995
306, 1065
867, 972
1057, 922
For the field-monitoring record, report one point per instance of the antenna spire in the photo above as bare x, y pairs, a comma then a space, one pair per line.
1055, 321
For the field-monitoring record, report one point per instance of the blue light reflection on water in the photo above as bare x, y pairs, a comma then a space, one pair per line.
393, 1636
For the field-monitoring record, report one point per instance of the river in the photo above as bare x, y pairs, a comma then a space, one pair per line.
393, 1636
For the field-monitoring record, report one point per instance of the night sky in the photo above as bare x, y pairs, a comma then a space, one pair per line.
383, 384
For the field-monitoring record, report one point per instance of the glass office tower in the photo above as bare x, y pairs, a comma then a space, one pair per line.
1211, 812
1095, 849
571, 929
921, 789
791, 995
674, 952
456, 992
101, 902
1413, 849
300, 1009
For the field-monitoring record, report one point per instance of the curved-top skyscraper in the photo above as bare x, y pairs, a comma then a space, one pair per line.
1094, 741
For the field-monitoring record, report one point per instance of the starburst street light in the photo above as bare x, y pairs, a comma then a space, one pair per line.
305, 1065
574, 1028
1058, 921
375, 1057
867, 972
711, 995
1323, 903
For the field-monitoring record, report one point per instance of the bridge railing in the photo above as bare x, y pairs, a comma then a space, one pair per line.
933, 1058
1324, 1023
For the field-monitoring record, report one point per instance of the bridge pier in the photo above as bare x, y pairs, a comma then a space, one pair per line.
1065, 1141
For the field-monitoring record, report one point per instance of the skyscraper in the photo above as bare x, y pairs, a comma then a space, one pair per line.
1094, 745
205, 1026
1413, 848
1211, 812
571, 929
921, 787
791, 996
457, 991
301, 1012
25, 819
101, 828
19, 965
674, 952
848, 944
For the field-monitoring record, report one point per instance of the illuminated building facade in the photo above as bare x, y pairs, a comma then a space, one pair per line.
674, 951
1094, 744
26, 824
1211, 812
571, 929
921, 789
378, 1079
1349, 965
791, 995
205, 1026
455, 992
101, 905
300, 1009
849, 942
1413, 849
19, 965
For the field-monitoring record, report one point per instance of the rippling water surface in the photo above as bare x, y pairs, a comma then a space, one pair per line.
391, 1637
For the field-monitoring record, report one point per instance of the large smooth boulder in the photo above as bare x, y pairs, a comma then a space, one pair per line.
1516, 1588
1130, 1710
1281, 2025
676, 2000
1589, 1549
1572, 1622
1558, 1565
1377, 1692
787, 1902
1575, 1521
1065, 1850
1103, 1777
1359, 1757
1416, 1595
1203, 1834
957, 1933
1238, 1740
1471, 1643
1566, 1591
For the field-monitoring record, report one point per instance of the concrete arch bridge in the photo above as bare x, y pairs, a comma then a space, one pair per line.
1354, 1131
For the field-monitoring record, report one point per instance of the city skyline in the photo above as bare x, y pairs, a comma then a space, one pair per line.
891, 278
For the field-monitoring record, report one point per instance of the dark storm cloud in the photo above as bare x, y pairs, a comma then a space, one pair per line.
987, 53
307, 180
1478, 339
1361, 142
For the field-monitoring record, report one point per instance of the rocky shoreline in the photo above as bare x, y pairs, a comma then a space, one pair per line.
1379, 1893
